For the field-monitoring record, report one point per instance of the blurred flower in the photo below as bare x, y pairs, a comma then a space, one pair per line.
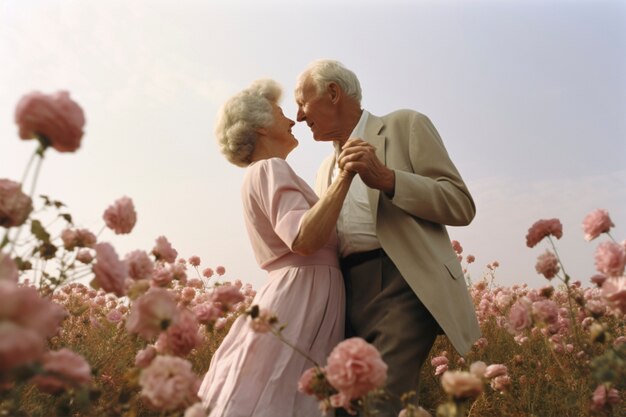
461, 385
207, 272
603, 396
19, 345
545, 311
543, 228
614, 292
457, 247
547, 265
194, 260
227, 296
121, 216
110, 273
63, 369
207, 312
501, 383
84, 256
140, 266
56, 118
15, 206
182, 336
478, 369
355, 367
196, 410
610, 258
495, 370
596, 223
8, 269
519, 317
163, 250
114, 315
598, 279
152, 313
263, 322
470, 259
145, 356
309, 381
78, 238
220, 270
169, 383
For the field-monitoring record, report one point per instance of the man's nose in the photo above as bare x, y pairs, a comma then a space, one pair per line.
300, 116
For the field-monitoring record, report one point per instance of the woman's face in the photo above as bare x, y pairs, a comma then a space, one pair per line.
280, 130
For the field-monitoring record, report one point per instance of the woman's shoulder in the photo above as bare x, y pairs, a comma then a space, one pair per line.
270, 166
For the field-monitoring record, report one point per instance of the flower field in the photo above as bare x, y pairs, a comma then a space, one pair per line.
87, 332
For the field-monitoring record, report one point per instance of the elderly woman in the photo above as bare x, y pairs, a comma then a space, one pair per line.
293, 237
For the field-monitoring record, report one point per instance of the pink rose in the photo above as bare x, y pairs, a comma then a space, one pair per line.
15, 206
8, 269
140, 266
596, 223
547, 265
614, 292
355, 368
110, 273
145, 356
163, 250
610, 258
78, 238
19, 345
169, 383
121, 216
543, 228
182, 336
461, 385
54, 117
519, 317
152, 313
63, 369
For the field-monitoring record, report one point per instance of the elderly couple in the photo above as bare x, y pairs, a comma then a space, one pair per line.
366, 254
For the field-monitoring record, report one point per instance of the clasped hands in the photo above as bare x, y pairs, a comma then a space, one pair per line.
359, 157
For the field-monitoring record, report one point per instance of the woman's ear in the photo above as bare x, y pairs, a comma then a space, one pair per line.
261, 131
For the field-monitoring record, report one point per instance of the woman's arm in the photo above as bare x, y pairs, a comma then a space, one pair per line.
321, 219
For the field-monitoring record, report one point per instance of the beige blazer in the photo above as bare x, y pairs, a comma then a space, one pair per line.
429, 194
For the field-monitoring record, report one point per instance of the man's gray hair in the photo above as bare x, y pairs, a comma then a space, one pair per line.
241, 116
325, 71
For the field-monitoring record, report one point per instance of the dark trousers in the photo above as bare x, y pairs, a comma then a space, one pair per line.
382, 309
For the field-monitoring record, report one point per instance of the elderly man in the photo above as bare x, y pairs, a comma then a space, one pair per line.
403, 279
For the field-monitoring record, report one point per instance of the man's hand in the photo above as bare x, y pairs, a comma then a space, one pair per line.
360, 157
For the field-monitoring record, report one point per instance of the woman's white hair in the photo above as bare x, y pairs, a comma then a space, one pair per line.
240, 118
325, 71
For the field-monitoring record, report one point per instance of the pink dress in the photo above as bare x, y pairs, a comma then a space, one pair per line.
254, 374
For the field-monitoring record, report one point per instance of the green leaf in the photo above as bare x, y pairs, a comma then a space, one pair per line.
37, 229
46, 200
67, 217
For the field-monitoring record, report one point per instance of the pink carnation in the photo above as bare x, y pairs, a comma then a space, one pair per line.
81, 238
355, 367
63, 369
519, 318
169, 383
596, 223
610, 258
543, 228
547, 265
8, 269
194, 260
121, 216
545, 311
15, 206
614, 292
164, 250
55, 118
461, 384
110, 272
182, 336
140, 266
305, 383
152, 313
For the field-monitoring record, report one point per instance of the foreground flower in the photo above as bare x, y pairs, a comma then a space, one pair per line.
121, 216
78, 238
19, 345
152, 313
610, 258
543, 228
140, 266
110, 272
15, 206
63, 369
547, 265
355, 367
169, 383
603, 396
596, 223
461, 385
55, 118
196, 410
182, 336
8, 269
614, 292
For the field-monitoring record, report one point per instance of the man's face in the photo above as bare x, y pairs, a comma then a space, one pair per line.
317, 110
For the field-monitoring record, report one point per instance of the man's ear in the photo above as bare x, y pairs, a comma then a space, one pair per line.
334, 91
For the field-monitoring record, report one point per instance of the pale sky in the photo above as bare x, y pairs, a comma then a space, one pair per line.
528, 96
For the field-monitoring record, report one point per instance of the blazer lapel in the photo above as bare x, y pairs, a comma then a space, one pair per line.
375, 138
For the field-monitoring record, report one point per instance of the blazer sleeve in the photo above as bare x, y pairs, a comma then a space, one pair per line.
434, 191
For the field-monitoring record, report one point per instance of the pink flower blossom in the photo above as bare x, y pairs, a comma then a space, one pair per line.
63, 369
8, 269
439, 360
110, 273
263, 322
355, 367
598, 279
545, 311
501, 383
121, 216
145, 356
596, 223
15, 206
519, 317
478, 369
84, 256
207, 313
152, 313
164, 250
195, 283
169, 383
227, 296
495, 370
470, 259
55, 117
305, 383
19, 345
614, 292
461, 384
440, 369
140, 266
182, 336
543, 228
207, 272
114, 316
603, 396
81, 238
194, 260
547, 265
610, 258
220, 270
457, 247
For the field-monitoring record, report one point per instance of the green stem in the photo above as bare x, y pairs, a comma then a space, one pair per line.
280, 337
